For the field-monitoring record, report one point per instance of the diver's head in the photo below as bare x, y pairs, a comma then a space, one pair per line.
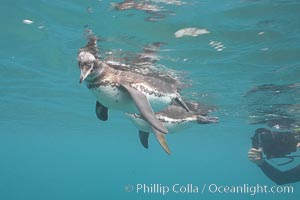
275, 144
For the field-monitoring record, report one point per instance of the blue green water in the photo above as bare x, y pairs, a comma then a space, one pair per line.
52, 146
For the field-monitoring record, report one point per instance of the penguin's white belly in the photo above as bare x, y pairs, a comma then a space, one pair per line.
172, 125
113, 97
177, 125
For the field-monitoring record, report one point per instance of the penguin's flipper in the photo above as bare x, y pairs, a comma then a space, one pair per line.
101, 111
180, 101
161, 138
144, 136
144, 107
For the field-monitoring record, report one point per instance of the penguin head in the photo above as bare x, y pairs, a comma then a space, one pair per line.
86, 63
88, 56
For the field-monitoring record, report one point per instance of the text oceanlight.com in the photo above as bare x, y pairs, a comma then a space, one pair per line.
162, 189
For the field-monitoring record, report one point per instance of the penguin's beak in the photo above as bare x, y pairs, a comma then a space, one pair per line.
84, 72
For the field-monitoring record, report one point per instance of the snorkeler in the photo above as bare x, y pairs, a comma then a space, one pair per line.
275, 145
